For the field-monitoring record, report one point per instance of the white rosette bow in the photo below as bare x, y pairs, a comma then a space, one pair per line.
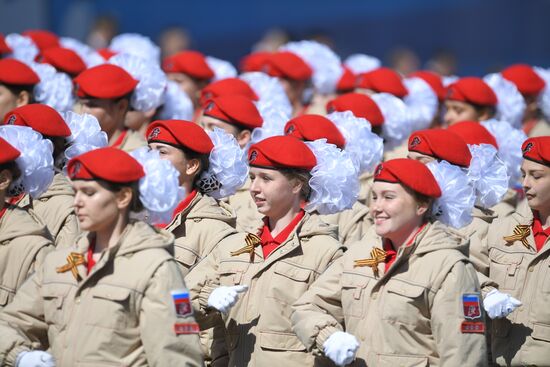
397, 124
421, 102
361, 63
511, 104
544, 96
509, 142
454, 207
326, 65
228, 166
222, 69
365, 147
23, 48
55, 89
177, 104
137, 45
86, 134
90, 56
334, 179
488, 175
35, 162
159, 189
150, 90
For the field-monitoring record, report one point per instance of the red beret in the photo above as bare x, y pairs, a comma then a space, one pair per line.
235, 110
108, 164
434, 81
441, 144
192, 63
346, 83
104, 81
41, 118
4, 48
225, 87
281, 152
7, 152
64, 59
472, 90
525, 78
254, 62
360, 105
106, 53
17, 73
313, 127
383, 80
43, 39
288, 65
180, 133
473, 133
408, 172
537, 149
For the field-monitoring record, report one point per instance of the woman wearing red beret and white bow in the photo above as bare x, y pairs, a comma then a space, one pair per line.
272, 267
406, 293
117, 296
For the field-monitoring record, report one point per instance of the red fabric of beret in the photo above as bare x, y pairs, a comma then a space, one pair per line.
281, 152
411, 173
473, 133
313, 127
288, 65
17, 73
537, 149
4, 48
346, 83
41, 118
180, 133
360, 105
64, 59
108, 164
104, 81
383, 80
229, 86
434, 81
43, 39
192, 63
472, 90
525, 78
7, 152
235, 110
441, 144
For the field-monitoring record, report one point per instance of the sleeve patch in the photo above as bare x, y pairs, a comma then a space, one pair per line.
472, 306
182, 302
472, 327
186, 328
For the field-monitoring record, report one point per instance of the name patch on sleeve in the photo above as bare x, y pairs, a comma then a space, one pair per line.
186, 328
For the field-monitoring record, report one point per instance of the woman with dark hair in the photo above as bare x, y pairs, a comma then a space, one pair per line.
17, 82
117, 296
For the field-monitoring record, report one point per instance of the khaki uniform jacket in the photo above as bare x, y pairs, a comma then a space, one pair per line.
522, 338
246, 210
132, 141
198, 230
508, 204
352, 223
410, 316
56, 208
542, 128
24, 242
365, 184
258, 327
121, 314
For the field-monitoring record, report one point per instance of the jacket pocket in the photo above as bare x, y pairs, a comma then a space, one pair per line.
280, 341
541, 332
505, 268
112, 309
289, 282
185, 257
4, 297
386, 360
53, 296
354, 292
231, 273
404, 303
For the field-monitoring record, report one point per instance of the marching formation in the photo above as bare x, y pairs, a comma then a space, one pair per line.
302, 210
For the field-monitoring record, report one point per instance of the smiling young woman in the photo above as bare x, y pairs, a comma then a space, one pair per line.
406, 293
120, 283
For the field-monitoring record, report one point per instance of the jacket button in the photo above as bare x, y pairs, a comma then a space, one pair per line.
531, 269
373, 296
77, 300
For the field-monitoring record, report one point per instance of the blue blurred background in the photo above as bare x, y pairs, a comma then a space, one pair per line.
469, 37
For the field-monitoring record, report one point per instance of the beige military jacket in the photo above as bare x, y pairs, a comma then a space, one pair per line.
246, 210
56, 208
258, 327
410, 316
508, 204
365, 184
522, 338
121, 314
542, 128
132, 141
352, 223
24, 242
199, 228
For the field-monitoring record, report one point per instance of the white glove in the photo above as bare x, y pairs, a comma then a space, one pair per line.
34, 358
499, 305
341, 348
223, 298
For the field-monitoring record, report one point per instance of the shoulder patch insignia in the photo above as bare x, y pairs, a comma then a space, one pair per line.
472, 306
182, 302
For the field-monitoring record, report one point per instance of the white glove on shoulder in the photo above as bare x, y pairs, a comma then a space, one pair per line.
341, 347
34, 358
223, 298
499, 305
